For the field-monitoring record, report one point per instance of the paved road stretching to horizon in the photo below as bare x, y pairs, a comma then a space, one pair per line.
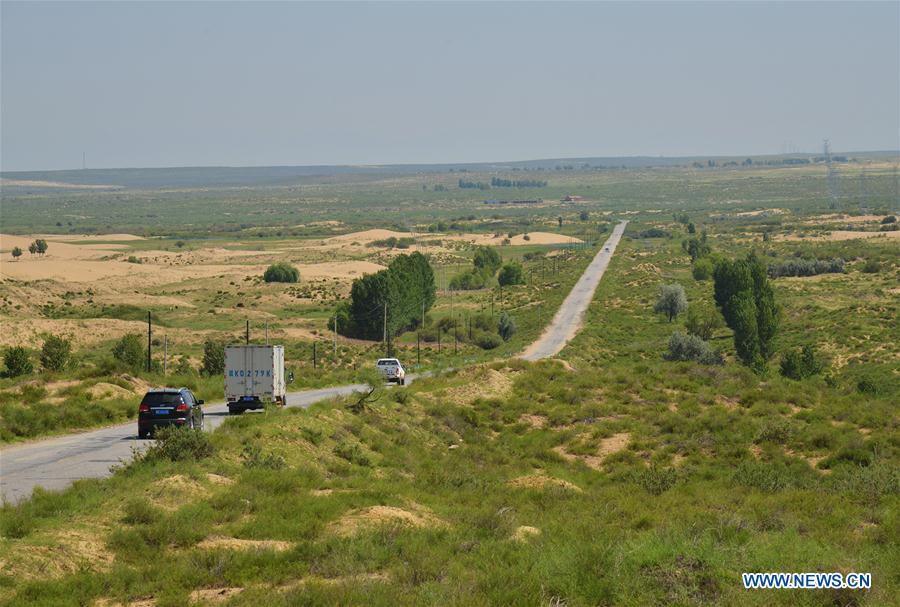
54, 463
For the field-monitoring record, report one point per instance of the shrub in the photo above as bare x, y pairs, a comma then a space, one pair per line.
133, 259
352, 453
129, 351
800, 364
871, 267
672, 301
17, 362
253, 457
487, 259
656, 480
16, 523
506, 327
487, 341
690, 347
888, 219
139, 511
511, 274
55, 353
281, 272
703, 269
653, 233
702, 324
867, 385
213, 357
174, 443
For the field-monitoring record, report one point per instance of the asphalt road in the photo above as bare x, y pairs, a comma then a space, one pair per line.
54, 463
567, 322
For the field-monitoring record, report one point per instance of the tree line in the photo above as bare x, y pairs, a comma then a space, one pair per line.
388, 302
497, 182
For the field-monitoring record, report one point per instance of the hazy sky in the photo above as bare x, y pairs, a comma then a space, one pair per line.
171, 84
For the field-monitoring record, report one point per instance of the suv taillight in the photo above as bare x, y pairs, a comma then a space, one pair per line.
144, 408
182, 407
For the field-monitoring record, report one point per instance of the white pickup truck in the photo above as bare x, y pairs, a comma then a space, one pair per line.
391, 370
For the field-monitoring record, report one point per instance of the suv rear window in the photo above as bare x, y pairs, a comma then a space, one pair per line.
154, 399
387, 361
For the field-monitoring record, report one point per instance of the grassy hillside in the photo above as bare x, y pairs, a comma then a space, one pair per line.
608, 477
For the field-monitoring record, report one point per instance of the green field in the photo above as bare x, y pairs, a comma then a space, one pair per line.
608, 477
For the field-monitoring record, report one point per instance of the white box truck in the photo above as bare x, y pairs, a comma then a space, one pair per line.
254, 376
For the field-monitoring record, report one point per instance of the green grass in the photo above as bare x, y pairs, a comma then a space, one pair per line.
721, 471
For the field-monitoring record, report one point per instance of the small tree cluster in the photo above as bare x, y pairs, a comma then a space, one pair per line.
696, 247
17, 362
672, 301
484, 265
506, 327
800, 364
55, 353
806, 267
213, 358
39, 246
129, 351
511, 274
744, 296
281, 272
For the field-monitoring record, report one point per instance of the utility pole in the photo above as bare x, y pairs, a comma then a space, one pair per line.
267, 332
165, 355
149, 341
247, 334
418, 349
315, 359
334, 326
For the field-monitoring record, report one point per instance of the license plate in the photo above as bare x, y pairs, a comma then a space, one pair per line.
162, 412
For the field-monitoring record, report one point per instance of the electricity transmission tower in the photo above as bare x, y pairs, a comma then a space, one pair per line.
832, 176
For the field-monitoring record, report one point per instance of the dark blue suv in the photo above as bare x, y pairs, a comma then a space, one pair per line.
167, 407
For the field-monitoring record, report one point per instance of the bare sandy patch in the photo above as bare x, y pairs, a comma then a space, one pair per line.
608, 446
535, 421
218, 479
481, 382
147, 601
541, 238
841, 218
366, 236
363, 519
761, 212
842, 235
102, 390
233, 543
56, 185
207, 596
66, 552
55, 249
354, 579
175, 491
543, 482
525, 533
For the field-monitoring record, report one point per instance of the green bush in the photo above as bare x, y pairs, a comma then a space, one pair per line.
867, 385
129, 351
872, 267
55, 353
800, 364
139, 511
174, 443
352, 453
511, 274
17, 362
213, 358
253, 457
506, 327
281, 272
702, 323
703, 269
16, 523
672, 301
656, 480
487, 341
690, 347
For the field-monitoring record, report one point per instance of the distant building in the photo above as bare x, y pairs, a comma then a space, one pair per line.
573, 198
